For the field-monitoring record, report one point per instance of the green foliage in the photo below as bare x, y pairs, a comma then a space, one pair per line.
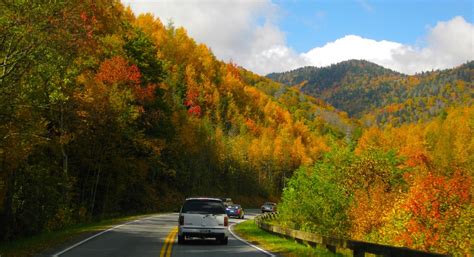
375, 167
314, 112
322, 198
381, 96
143, 52
104, 113
40, 200
315, 200
274, 243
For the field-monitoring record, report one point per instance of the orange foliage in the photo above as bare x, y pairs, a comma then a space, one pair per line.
252, 126
413, 81
368, 209
233, 70
393, 108
410, 141
117, 70
372, 138
145, 94
433, 203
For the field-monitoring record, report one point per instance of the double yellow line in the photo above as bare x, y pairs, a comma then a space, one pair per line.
169, 241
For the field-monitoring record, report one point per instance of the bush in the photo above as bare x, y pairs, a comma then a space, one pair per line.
314, 201
41, 200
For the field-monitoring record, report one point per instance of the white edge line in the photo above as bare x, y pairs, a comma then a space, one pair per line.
249, 244
94, 236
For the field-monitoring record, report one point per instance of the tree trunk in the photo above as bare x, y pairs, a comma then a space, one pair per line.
63, 151
106, 196
94, 192
7, 220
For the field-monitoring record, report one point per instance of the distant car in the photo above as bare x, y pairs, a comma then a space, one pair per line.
227, 201
235, 210
203, 218
268, 207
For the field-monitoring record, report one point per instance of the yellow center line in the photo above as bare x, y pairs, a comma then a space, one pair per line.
168, 244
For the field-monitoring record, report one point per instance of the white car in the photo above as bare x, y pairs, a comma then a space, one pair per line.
269, 207
203, 218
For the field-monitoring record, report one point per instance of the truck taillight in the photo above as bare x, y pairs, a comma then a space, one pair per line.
226, 221
181, 220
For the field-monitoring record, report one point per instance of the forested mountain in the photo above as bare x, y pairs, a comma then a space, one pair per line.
379, 95
314, 112
317, 80
408, 179
105, 113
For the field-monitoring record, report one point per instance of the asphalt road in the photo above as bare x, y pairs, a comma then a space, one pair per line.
156, 237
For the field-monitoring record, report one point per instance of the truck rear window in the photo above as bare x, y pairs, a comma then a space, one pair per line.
203, 207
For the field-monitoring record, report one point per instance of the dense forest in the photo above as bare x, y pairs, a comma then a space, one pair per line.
381, 96
106, 113
406, 186
406, 179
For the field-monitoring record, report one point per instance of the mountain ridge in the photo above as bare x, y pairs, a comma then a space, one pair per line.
362, 88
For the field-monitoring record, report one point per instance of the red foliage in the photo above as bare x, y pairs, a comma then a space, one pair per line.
192, 102
195, 110
191, 98
83, 16
145, 94
433, 202
88, 23
117, 70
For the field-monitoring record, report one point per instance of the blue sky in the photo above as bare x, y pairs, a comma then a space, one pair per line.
313, 23
278, 35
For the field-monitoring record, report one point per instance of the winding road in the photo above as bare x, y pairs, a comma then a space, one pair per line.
155, 236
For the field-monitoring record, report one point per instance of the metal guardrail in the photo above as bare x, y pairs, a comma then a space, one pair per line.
358, 248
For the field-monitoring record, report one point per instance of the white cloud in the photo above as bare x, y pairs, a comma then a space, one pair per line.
246, 32
269, 52
352, 47
241, 31
448, 44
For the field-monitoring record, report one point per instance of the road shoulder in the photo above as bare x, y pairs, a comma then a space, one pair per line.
280, 246
49, 243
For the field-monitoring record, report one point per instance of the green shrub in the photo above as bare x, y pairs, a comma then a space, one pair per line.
314, 201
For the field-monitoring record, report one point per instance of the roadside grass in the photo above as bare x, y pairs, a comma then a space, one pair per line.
29, 246
282, 246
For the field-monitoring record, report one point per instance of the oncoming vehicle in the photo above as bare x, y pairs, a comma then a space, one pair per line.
235, 210
203, 218
268, 207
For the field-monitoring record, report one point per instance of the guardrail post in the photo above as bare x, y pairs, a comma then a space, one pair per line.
331, 248
359, 248
358, 253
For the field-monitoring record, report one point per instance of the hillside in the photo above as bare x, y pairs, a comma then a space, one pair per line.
317, 80
104, 113
364, 89
413, 155
107, 113
315, 113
